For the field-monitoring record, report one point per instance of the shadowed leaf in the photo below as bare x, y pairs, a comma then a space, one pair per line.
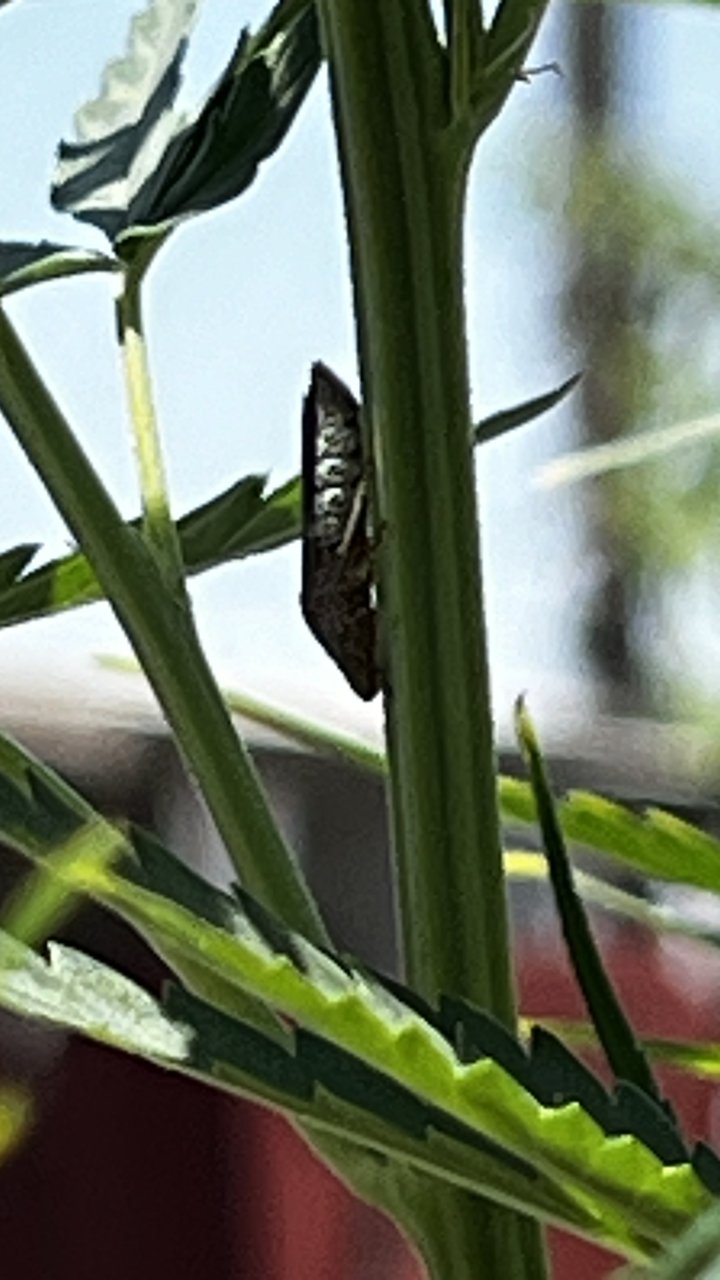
23, 264
613, 1028
496, 425
237, 523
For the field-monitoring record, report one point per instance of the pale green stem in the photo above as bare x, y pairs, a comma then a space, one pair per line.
158, 525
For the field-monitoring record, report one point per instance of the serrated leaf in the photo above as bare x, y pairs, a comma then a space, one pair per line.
654, 842
216, 157
208, 938
138, 167
23, 264
499, 423
123, 133
186, 1034
275, 523
237, 523
77, 992
14, 561
209, 529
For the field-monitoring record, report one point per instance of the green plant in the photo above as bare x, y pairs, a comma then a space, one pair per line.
428, 1107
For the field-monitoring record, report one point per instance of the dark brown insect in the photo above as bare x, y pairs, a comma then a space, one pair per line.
337, 583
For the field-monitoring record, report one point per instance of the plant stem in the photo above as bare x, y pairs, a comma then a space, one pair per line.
158, 525
405, 193
404, 177
162, 632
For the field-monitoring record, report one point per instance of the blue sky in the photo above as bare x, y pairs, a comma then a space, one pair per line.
242, 301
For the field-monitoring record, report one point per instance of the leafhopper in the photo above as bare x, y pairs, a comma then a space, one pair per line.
337, 581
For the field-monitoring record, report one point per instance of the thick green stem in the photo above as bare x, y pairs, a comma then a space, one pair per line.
161, 630
404, 175
405, 192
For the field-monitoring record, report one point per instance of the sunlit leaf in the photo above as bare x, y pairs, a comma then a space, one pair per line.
137, 165
654, 842
613, 1148
243, 122
299, 1074
78, 992
123, 134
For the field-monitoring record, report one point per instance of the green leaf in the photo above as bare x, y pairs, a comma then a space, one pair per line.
14, 561
274, 522
496, 425
598, 1148
124, 132
299, 1074
23, 264
77, 992
137, 166
654, 842
244, 120
698, 1057
613, 1029
237, 523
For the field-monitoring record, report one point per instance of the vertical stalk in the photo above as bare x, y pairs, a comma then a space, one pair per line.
404, 176
158, 525
405, 193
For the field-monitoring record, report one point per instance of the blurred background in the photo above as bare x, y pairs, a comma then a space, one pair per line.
592, 244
